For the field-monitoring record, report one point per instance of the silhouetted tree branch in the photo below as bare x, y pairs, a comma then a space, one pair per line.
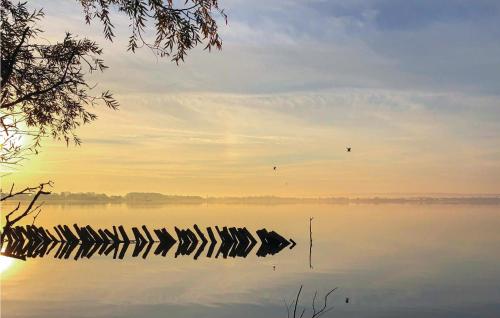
35, 193
43, 86
177, 29
44, 91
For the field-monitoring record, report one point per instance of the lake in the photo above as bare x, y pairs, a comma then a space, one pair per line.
389, 260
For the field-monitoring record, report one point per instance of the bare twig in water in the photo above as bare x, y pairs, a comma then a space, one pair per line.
296, 302
287, 308
315, 311
39, 209
325, 307
310, 242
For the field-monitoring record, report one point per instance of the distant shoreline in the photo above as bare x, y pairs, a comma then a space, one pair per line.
136, 198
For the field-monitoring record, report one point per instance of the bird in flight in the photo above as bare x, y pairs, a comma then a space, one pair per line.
348, 149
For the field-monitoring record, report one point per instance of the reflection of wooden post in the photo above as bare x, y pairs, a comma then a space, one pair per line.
115, 233
212, 240
310, 242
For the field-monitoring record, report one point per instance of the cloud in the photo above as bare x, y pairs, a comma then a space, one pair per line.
292, 46
413, 86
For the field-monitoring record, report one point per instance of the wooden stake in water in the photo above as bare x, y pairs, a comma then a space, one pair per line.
310, 242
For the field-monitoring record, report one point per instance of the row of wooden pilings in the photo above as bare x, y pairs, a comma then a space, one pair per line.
36, 241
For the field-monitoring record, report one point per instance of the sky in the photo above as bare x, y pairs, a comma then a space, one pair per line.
412, 86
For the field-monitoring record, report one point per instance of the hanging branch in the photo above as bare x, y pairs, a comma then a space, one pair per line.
44, 87
178, 26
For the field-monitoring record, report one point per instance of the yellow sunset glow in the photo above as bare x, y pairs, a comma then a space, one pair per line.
217, 124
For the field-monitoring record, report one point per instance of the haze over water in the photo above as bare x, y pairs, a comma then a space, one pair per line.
390, 260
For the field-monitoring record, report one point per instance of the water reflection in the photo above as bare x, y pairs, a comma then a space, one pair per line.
390, 260
36, 242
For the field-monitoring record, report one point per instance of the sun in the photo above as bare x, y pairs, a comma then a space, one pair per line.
15, 133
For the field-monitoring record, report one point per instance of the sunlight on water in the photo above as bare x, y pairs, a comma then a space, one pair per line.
5, 263
9, 267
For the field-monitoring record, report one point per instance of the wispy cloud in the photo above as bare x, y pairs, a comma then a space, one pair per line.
412, 86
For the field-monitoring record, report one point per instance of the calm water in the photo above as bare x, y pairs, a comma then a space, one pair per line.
390, 260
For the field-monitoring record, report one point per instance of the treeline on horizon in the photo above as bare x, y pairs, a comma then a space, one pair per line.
158, 198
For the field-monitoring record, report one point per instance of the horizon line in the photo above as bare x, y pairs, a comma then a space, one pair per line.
389, 195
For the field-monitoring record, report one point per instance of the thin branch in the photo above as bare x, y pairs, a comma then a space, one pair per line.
34, 218
324, 309
36, 93
315, 313
296, 302
10, 64
314, 302
11, 212
303, 312
27, 190
30, 208
287, 308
